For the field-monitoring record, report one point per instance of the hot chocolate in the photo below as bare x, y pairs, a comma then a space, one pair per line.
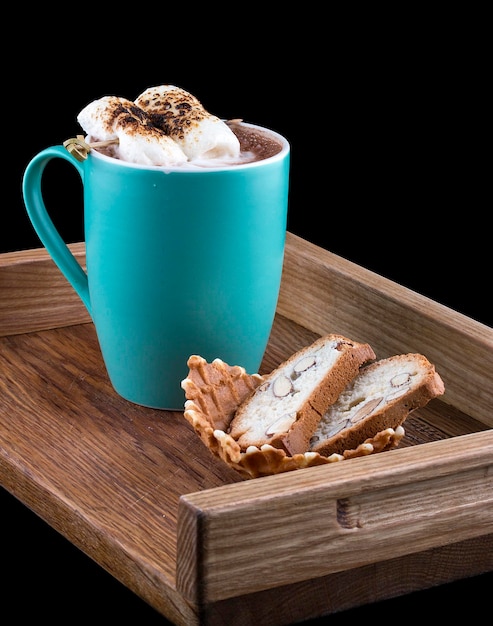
255, 143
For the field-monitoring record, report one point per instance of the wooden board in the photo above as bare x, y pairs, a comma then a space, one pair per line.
136, 490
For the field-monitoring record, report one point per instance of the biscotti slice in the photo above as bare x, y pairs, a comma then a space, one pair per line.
381, 396
285, 408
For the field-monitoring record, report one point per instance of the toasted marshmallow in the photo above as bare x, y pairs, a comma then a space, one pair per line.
139, 141
180, 115
98, 117
149, 148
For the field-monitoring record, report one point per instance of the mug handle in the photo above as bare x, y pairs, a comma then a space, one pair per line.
43, 225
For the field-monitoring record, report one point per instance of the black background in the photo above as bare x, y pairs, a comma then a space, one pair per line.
389, 170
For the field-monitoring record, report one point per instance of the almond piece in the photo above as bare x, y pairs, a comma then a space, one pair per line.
281, 386
365, 410
304, 364
398, 380
282, 424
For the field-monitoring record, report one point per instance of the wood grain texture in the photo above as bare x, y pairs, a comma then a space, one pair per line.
357, 587
34, 295
137, 491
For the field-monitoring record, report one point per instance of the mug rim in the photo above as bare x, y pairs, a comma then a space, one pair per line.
190, 168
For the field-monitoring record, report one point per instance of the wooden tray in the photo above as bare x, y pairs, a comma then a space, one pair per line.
137, 491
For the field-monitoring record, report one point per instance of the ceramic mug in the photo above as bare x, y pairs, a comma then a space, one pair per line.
179, 262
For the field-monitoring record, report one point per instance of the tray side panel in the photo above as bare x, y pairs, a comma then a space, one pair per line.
346, 590
326, 293
326, 519
34, 294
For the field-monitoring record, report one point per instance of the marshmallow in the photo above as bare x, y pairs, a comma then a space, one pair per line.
149, 149
98, 118
180, 115
111, 118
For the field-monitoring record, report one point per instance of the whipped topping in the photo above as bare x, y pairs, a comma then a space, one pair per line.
165, 126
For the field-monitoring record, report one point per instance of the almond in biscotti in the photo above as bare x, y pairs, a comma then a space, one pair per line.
381, 396
286, 407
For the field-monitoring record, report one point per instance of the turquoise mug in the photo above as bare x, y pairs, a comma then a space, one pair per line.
178, 262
